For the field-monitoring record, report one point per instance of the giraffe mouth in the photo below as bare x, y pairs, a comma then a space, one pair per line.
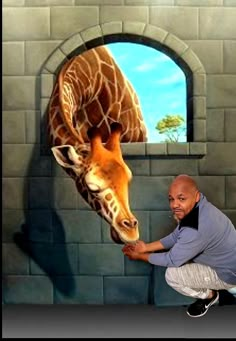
115, 236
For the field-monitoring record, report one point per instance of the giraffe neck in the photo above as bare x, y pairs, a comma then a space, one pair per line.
92, 91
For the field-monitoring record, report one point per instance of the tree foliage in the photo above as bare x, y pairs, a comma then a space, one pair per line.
172, 126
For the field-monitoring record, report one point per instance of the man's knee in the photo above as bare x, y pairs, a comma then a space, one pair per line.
171, 276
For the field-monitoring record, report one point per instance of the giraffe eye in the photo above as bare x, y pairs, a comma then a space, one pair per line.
93, 187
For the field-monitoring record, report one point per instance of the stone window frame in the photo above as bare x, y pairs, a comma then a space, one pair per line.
152, 36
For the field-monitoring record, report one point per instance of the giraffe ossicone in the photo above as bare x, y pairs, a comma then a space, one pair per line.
92, 109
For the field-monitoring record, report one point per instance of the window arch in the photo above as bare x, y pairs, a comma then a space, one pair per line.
156, 38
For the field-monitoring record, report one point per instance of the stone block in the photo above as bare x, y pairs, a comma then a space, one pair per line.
12, 221
76, 226
198, 104
215, 125
175, 20
78, 290
175, 44
53, 259
40, 3
192, 61
91, 33
14, 261
221, 91
138, 165
219, 159
161, 224
13, 127
230, 124
149, 193
40, 193
36, 54
13, 3
231, 214
199, 84
100, 259
230, 191
198, 3
47, 83
220, 17
150, 2
14, 193
65, 21
16, 159
111, 28
25, 290
39, 226
170, 166
19, 93
55, 61
177, 148
37, 19
13, 58
126, 290
124, 13
134, 27
197, 149
137, 268
72, 43
213, 187
210, 53
64, 193
199, 130
32, 126
134, 148
155, 33
156, 148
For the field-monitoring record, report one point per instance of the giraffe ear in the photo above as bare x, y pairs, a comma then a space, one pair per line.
66, 156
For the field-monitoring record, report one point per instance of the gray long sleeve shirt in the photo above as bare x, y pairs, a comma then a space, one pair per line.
206, 236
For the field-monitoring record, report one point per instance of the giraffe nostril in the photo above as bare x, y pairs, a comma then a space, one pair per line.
130, 223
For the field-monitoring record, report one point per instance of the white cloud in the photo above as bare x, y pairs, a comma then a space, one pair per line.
147, 66
176, 104
174, 78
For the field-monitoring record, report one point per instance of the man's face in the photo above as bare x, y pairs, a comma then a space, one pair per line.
182, 198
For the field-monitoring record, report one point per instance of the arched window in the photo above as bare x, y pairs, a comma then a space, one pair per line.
163, 42
161, 88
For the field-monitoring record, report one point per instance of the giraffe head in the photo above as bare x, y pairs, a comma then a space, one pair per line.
102, 178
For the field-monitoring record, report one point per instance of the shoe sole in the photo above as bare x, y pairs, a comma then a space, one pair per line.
207, 308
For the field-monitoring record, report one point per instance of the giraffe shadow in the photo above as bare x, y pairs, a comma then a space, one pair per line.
42, 227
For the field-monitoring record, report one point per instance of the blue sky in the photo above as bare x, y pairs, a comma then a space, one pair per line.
158, 81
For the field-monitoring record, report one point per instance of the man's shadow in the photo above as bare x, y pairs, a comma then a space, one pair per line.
42, 236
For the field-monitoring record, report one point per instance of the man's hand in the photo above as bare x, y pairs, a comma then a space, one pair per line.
136, 251
131, 254
139, 247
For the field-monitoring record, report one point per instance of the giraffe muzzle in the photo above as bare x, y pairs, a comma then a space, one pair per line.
129, 223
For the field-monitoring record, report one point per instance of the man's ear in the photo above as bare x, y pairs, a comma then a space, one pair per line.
198, 196
66, 156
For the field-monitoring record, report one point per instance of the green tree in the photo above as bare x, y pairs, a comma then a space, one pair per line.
172, 126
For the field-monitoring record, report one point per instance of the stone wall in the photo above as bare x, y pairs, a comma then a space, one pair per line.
70, 257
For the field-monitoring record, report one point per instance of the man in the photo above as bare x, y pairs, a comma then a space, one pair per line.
200, 254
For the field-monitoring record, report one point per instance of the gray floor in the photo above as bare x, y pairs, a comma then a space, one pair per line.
118, 321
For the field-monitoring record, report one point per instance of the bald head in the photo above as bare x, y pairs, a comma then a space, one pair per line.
186, 182
183, 195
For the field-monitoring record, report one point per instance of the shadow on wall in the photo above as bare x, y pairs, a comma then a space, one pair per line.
42, 236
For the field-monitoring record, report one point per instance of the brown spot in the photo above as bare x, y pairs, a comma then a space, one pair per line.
57, 141
108, 197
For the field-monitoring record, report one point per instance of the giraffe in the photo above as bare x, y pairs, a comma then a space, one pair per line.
94, 107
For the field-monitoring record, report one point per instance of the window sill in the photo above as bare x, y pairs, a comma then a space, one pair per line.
179, 149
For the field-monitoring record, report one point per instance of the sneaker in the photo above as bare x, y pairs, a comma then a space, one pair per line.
200, 307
